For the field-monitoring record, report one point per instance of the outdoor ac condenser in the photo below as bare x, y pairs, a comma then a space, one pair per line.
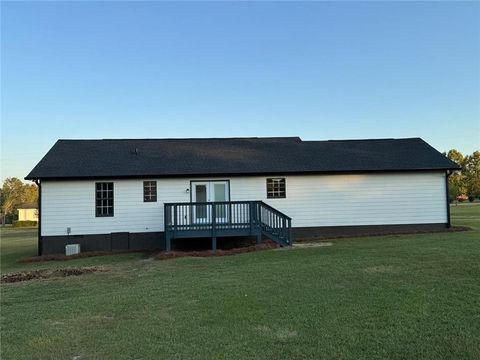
72, 249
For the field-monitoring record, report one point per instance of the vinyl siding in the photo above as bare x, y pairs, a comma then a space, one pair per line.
315, 200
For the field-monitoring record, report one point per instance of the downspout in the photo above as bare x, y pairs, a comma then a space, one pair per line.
447, 175
39, 184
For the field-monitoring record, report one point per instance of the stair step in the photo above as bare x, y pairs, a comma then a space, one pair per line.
275, 227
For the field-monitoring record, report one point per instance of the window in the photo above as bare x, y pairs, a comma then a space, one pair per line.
276, 188
104, 199
149, 191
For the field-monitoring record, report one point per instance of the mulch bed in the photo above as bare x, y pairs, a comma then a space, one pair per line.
349, 236
162, 255
61, 257
165, 255
47, 274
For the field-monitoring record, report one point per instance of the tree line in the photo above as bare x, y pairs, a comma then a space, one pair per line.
464, 184
13, 193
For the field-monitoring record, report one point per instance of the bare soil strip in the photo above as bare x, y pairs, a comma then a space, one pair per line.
47, 274
61, 257
308, 239
165, 255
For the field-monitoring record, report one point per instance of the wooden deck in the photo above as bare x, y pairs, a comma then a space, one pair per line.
222, 219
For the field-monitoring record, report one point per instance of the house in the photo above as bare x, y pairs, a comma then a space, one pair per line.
28, 212
146, 193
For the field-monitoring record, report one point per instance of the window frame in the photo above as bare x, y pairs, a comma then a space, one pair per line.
152, 198
276, 193
102, 199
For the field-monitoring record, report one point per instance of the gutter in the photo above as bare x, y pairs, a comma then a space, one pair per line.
40, 240
232, 174
447, 175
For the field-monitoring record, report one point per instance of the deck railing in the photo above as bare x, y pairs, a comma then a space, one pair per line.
275, 222
231, 218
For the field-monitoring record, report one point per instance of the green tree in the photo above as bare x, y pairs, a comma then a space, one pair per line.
13, 193
456, 156
8, 208
471, 170
30, 193
457, 184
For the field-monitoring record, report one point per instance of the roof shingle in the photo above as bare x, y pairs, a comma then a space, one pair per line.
76, 159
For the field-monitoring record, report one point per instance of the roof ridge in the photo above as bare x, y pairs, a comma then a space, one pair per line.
193, 138
297, 138
370, 139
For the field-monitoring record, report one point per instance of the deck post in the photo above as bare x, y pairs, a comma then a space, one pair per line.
214, 221
175, 220
250, 208
290, 237
257, 221
259, 215
166, 227
168, 241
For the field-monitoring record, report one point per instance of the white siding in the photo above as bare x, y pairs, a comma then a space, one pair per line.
338, 200
315, 200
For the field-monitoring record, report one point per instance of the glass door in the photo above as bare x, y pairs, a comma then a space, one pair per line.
220, 192
210, 191
200, 194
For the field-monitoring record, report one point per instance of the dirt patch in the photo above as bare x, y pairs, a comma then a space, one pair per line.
164, 255
61, 257
459, 228
47, 274
155, 254
312, 244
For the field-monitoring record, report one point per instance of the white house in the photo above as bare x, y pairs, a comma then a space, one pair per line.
144, 193
28, 212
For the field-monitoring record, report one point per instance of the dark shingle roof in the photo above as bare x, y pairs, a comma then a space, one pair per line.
233, 156
30, 205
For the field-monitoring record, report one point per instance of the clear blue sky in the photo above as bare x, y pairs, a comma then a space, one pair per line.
316, 70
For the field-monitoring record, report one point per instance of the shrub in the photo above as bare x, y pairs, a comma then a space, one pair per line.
25, 223
471, 198
462, 198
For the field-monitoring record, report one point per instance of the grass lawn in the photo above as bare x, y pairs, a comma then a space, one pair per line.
391, 297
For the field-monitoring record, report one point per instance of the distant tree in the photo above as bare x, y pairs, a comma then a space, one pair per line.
13, 188
456, 156
471, 170
8, 208
457, 184
13, 193
30, 193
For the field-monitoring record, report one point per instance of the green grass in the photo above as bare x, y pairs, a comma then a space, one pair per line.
392, 297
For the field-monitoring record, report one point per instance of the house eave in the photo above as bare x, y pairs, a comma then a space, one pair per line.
237, 174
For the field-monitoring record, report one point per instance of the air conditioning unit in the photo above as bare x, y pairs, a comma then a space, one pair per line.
72, 249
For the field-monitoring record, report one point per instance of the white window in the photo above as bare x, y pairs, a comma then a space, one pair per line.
276, 188
104, 199
149, 191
